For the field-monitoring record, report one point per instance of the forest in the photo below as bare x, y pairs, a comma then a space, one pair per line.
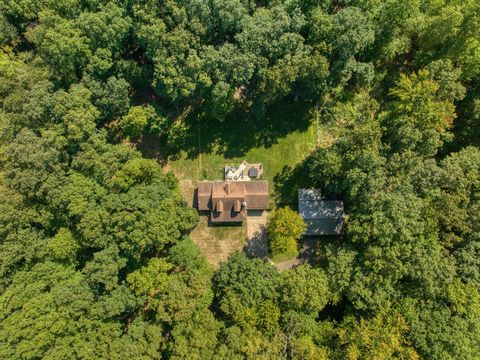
95, 256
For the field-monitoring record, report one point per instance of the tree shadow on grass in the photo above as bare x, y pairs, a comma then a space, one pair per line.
241, 133
232, 136
287, 183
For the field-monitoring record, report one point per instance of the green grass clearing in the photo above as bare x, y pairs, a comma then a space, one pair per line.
286, 152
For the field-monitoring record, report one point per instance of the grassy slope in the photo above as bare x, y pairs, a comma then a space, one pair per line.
287, 151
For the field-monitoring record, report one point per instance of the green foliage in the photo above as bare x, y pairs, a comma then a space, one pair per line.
30, 162
46, 309
95, 260
351, 32
63, 246
381, 337
135, 171
8, 33
247, 291
137, 120
421, 114
304, 289
151, 279
195, 338
73, 209
111, 98
284, 228
437, 330
102, 271
61, 44
141, 118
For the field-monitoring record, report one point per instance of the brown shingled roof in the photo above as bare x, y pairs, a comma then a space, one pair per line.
229, 200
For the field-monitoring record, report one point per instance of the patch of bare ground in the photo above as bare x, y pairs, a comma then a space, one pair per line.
289, 264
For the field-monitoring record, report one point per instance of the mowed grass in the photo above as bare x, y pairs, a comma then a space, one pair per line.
287, 151
217, 242
285, 257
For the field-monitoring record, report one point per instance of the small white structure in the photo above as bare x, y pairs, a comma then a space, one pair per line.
323, 217
243, 172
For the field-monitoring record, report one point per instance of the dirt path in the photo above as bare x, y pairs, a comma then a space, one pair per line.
289, 264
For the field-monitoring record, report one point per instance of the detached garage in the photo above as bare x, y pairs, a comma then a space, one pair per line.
323, 217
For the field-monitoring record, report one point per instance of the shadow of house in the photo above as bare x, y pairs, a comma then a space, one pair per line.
211, 224
257, 246
194, 203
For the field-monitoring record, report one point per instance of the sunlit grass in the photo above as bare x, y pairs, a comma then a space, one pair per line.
287, 151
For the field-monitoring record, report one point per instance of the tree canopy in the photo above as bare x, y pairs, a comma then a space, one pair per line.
96, 260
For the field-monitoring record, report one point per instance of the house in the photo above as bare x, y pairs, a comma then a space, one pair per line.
243, 172
323, 217
229, 201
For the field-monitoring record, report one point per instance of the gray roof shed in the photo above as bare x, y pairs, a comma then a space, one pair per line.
323, 217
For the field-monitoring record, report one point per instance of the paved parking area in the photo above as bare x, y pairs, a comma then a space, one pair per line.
256, 234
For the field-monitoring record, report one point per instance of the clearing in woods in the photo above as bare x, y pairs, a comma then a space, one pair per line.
284, 152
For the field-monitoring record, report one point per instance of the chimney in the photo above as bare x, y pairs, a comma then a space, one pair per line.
227, 188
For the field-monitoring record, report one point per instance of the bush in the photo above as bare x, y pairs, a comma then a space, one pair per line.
284, 228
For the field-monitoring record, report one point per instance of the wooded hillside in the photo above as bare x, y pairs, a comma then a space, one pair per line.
95, 258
